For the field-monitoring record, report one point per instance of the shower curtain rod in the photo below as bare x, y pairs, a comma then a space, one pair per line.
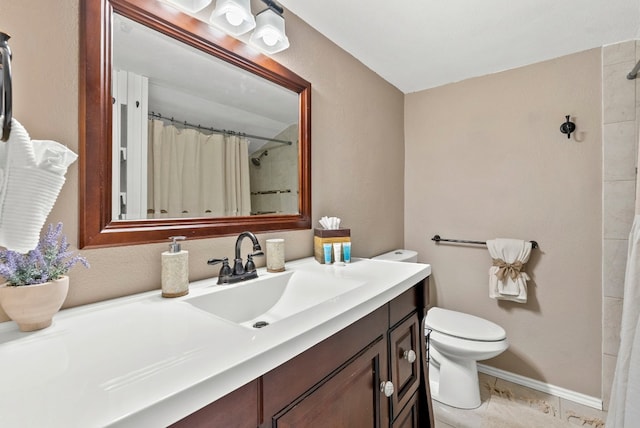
634, 72
219, 131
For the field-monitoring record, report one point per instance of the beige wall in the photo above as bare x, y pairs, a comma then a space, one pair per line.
357, 146
485, 159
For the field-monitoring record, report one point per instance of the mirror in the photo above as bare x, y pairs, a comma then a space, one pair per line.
273, 134
196, 136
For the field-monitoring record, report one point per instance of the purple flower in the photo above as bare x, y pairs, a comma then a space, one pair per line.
50, 260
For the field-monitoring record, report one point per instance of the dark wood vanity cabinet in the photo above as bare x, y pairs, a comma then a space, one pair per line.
238, 409
350, 365
348, 397
339, 382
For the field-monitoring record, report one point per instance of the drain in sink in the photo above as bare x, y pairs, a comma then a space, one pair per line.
260, 324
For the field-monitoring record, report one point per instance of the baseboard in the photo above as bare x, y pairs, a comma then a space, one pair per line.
557, 391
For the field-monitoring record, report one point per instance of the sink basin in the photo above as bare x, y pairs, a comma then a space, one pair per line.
271, 298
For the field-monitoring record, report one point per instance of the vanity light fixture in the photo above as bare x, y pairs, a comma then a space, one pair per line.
233, 16
191, 6
269, 35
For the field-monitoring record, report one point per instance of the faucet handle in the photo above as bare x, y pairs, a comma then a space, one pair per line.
250, 266
225, 271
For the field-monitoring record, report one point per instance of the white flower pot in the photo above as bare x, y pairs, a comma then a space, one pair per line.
32, 306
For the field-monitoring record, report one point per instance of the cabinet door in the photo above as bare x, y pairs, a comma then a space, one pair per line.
239, 409
405, 349
350, 397
408, 417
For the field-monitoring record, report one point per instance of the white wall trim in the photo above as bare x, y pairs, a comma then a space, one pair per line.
557, 391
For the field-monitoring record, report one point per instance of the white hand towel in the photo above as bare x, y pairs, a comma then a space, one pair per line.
31, 176
507, 278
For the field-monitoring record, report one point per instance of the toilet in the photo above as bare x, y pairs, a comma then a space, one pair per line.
456, 342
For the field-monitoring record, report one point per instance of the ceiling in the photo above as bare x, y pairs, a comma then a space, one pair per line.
420, 44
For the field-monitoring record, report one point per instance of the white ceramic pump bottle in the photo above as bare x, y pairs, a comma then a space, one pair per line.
175, 269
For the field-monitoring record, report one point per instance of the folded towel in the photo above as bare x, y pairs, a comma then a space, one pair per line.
507, 278
31, 176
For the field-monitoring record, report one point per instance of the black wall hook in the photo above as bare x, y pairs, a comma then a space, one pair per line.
568, 127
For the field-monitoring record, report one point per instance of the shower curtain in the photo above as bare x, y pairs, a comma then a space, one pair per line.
625, 392
192, 174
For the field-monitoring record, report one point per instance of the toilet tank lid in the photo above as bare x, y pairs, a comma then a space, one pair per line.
400, 255
463, 325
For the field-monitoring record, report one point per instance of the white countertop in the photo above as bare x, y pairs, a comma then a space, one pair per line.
144, 360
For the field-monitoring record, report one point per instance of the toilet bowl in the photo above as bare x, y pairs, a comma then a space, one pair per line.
456, 342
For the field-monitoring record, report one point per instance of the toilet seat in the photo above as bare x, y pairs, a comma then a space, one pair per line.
457, 348
463, 326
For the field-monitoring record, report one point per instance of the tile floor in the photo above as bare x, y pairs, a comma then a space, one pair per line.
507, 405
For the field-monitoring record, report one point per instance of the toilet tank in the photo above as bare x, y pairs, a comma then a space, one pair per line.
400, 255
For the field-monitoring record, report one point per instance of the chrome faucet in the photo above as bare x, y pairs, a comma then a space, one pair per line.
239, 272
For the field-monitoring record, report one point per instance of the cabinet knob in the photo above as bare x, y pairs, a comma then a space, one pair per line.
410, 356
387, 388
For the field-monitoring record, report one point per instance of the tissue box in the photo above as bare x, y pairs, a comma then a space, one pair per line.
328, 236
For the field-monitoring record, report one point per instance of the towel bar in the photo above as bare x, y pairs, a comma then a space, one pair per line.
438, 239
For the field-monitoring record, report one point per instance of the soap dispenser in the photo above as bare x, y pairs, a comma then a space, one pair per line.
175, 269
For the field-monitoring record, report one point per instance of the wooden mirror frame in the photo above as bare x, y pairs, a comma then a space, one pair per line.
96, 226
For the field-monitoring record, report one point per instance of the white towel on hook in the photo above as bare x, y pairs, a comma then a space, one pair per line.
31, 176
507, 278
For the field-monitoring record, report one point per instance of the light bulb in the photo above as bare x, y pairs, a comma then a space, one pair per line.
270, 38
234, 18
